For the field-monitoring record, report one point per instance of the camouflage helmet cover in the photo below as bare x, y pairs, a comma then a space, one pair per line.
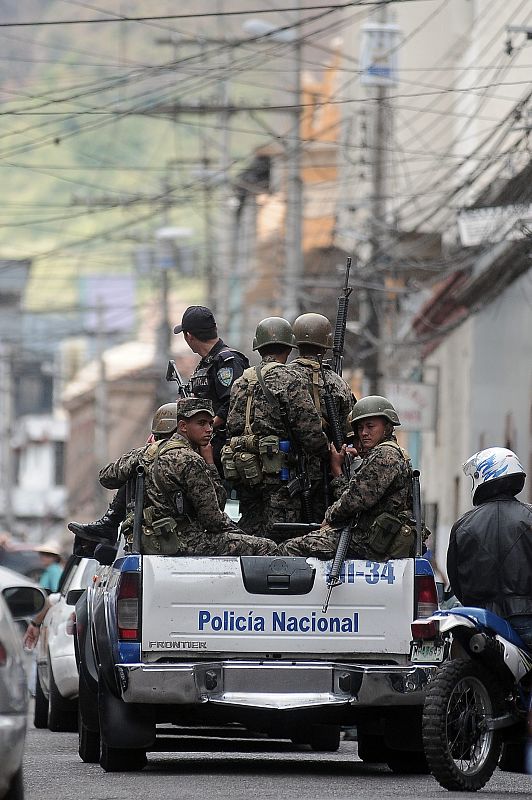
373, 406
314, 329
164, 420
188, 406
273, 330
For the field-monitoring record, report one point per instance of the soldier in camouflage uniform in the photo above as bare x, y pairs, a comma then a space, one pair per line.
376, 500
269, 407
184, 496
313, 333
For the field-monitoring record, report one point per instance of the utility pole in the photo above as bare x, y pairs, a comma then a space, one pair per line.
101, 430
6, 422
293, 268
378, 75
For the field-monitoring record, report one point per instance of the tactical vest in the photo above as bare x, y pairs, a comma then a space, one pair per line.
251, 459
160, 533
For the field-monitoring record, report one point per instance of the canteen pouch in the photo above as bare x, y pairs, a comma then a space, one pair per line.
248, 468
383, 531
271, 456
227, 458
161, 538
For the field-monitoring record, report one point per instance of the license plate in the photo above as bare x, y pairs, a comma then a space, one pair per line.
428, 652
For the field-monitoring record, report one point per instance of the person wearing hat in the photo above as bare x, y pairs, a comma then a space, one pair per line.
183, 494
313, 334
270, 411
212, 379
52, 561
376, 500
217, 370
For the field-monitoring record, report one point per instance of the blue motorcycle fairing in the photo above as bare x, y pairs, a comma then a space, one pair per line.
489, 621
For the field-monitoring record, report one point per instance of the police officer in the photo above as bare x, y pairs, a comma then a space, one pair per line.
212, 379
183, 495
376, 500
217, 370
313, 334
270, 414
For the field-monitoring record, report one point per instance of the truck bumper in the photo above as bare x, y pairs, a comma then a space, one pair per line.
277, 685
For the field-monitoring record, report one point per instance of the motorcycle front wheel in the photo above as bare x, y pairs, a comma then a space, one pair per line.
461, 749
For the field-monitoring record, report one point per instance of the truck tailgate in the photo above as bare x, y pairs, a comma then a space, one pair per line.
202, 606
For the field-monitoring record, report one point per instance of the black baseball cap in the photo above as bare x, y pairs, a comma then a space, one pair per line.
197, 319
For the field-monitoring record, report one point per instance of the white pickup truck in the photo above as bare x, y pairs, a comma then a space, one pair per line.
209, 641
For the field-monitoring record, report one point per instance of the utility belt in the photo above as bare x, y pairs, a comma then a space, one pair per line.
394, 535
160, 536
252, 459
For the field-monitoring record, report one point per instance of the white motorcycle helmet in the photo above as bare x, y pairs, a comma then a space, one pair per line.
494, 464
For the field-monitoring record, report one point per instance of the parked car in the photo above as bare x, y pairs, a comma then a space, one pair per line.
56, 687
21, 558
19, 598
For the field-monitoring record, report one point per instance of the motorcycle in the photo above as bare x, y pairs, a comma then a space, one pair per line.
476, 706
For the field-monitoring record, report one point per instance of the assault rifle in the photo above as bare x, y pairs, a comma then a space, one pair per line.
344, 539
341, 322
172, 374
416, 507
139, 510
300, 484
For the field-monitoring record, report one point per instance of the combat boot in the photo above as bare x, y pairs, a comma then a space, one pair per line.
104, 529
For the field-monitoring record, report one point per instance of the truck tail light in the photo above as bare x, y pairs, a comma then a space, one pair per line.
426, 596
128, 606
421, 630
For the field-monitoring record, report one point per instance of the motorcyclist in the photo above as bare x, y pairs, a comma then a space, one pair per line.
489, 560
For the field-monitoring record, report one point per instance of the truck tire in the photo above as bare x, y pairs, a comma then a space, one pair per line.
513, 756
325, 738
461, 753
16, 787
118, 759
62, 711
40, 709
88, 741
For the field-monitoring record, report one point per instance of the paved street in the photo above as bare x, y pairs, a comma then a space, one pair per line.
240, 770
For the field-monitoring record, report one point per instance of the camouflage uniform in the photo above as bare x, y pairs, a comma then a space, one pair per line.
268, 503
309, 369
382, 483
203, 528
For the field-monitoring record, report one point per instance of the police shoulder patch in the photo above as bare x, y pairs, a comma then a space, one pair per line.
225, 375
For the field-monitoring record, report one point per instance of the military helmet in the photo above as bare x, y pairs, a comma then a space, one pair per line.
373, 406
164, 420
273, 330
313, 329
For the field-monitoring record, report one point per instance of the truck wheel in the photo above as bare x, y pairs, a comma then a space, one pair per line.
62, 712
88, 742
461, 752
40, 709
118, 759
513, 756
325, 738
371, 748
16, 787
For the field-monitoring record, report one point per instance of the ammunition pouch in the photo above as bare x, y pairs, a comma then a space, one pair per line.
249, 459
159, 537
271, 456
392, 536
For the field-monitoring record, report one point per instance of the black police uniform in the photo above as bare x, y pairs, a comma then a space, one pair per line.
212, 379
